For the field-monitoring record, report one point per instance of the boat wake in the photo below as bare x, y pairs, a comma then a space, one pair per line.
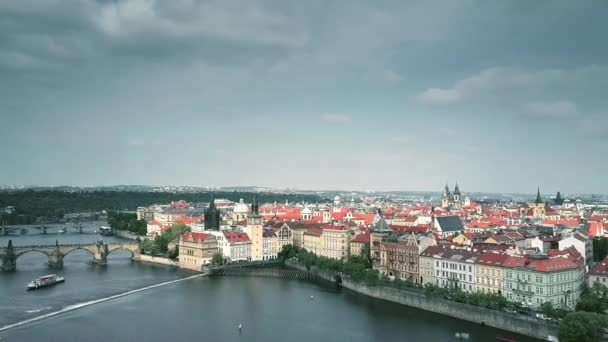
38, 310
89, 303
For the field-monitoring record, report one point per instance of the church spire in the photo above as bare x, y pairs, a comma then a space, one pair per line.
538, 199
255, 207
456, 189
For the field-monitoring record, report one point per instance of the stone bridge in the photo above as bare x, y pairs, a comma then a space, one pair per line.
57, 252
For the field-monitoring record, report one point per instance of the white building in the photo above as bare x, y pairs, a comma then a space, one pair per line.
582, 243
237, 246
240, 212
454, 268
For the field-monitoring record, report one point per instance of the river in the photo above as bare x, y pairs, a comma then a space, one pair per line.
186, 307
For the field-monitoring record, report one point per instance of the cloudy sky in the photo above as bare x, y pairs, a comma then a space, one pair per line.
402, 95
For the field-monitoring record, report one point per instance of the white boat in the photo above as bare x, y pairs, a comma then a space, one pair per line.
45, 281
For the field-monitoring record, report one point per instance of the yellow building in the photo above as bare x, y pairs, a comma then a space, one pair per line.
357, 244
461, 240
255, 232
335, 242
196, 250
313, 240
426, 265
270, 244
489, 272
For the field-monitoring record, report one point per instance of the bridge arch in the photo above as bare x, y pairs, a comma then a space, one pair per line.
88, 250
133, 250
38, 251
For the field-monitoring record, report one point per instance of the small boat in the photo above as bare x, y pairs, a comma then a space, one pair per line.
45, 281
462, 336
61, 231
505, 339
23, 231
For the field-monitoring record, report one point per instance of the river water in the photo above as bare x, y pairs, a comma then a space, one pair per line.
103, 303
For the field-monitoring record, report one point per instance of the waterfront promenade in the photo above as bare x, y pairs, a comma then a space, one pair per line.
521, 324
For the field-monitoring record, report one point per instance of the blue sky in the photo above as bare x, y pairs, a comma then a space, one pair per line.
391, 95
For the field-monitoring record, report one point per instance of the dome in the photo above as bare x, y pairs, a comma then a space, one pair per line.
337, 198
306, 211
241, 207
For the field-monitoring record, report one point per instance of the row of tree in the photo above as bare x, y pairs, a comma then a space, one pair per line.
53, 204
159, 246
128, 222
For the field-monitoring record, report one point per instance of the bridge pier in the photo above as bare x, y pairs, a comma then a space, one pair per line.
56, 258
101, 257
9, 260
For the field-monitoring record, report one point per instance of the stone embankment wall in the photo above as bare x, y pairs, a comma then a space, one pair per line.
525, 325
157, 260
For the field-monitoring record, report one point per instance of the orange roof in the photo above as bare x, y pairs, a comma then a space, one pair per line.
362, 238
196, 237
236, 237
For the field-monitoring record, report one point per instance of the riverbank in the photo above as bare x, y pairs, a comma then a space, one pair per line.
520, 324
158, 260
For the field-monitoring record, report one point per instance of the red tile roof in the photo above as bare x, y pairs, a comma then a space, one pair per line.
492, 259
601, 268
196, 237
236, 237
362, 238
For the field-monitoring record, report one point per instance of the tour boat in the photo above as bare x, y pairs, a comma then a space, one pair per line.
45, 281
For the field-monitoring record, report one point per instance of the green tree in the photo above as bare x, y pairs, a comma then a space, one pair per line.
217, 259
594, 299
600, 248
583, 327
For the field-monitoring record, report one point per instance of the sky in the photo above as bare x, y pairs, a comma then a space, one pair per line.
499, 96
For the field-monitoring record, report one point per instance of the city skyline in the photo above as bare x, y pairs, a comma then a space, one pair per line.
402, 96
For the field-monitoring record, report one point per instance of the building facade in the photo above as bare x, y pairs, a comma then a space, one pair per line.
196, 250
335, 242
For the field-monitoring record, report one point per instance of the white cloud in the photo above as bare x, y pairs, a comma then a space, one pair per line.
555, 109
336, 118
510, 86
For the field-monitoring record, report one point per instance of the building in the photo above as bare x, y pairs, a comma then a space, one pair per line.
255, 232
358, 243
582, 243
599, 273
448, 226
238, 247
489, 272
270, 245
240, 211
145, 213
455, 268
399, 255
212, 217
313, 240
335, 242
537, 209
380, 230
541, 278
196, 250
451, 200
284, 236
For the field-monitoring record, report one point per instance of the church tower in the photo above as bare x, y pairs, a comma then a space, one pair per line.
212, 217
445, 199
255, 231
538, 207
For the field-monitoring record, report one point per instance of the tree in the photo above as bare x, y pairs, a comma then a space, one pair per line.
583, 327
600, 248
217, 259
594, 299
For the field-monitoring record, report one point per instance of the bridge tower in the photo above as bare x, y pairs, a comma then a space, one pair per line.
9, 260
56, 258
